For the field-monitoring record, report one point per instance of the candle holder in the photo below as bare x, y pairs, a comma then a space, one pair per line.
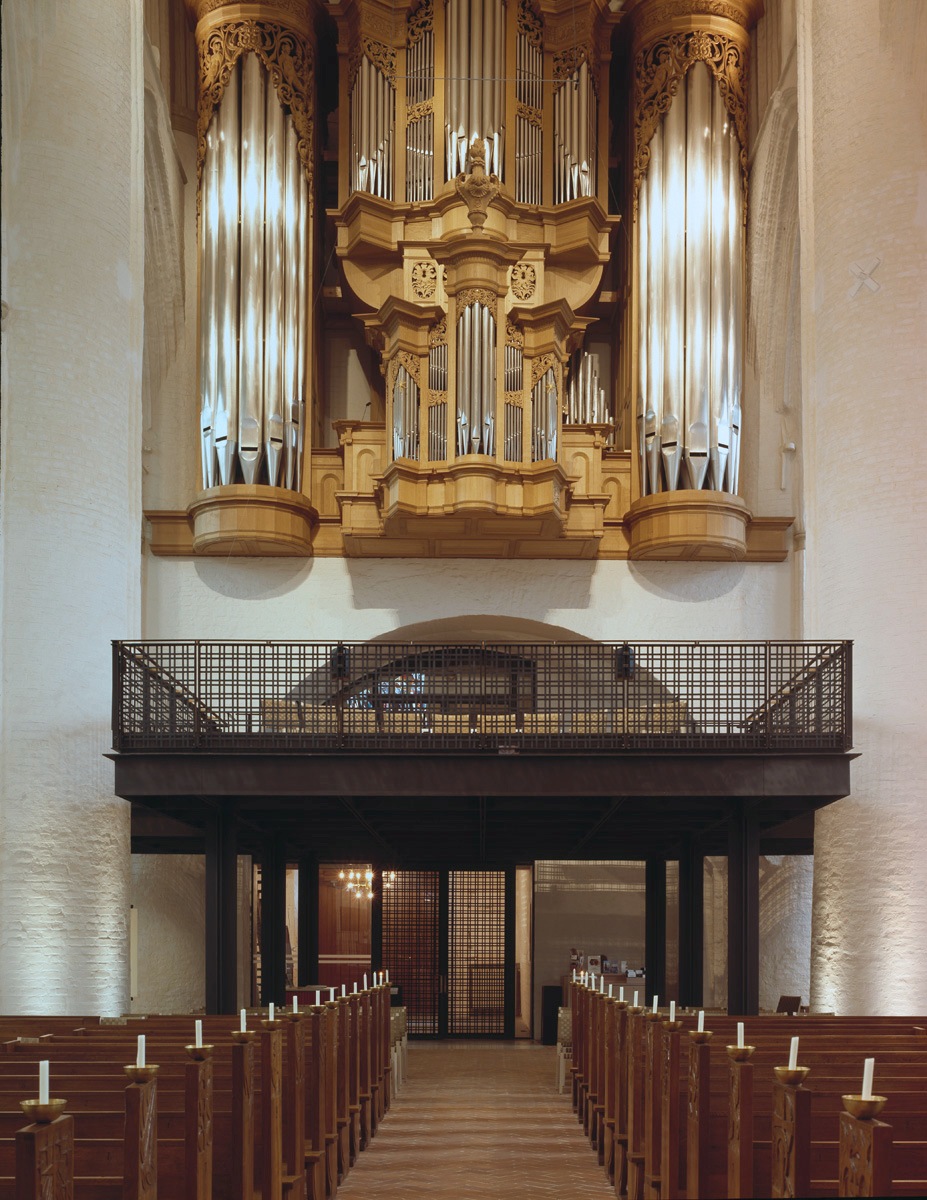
294, 1016
620, 1003
243, 1035
864, 1110
43, 1114
268, 1024
199, 1053
672, 1026
700, 1036
791, 1075
740, 1053
141, 1074
635, 1008
650, 1015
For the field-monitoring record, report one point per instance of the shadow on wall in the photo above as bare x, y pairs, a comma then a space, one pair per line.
252, 578
696, 583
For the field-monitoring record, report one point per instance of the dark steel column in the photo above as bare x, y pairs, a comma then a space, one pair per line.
221, 912
376, 919
655, 927
509, 976
743, 913
691, 924
307, 917
273, 921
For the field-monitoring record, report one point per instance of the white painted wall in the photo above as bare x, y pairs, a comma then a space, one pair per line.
168, 892
863, 164
785, 927
71, 500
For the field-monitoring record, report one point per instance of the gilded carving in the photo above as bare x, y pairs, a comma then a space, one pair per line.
476, 188
530, 24
475, 296
539, 366
437, 335
382, 56
410, 361
421, 22
298, 9
527, 113
415, 112
567, 63
287, 58
660, 14
660, 67
524, 281
425, 279
514, 336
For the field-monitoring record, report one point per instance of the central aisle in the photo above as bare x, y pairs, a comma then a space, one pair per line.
478, 1121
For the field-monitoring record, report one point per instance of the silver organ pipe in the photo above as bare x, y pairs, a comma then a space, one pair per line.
529, 73
575, 108
253, 288
476, 380
512, 450
437, 409
544, 417
513, 413
405, 415
475, 76
420, 87
373, 116
690, 281
585, 396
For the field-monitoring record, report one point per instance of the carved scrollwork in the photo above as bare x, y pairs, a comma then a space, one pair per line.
539, 366
409, 361
421, 21
287, 58
532, 115
567, 63
424, 279
294, 8
382, 56
530, 24
659, 69
475, 296
524, 281
658, 15
437, 335
514, 335
415, 112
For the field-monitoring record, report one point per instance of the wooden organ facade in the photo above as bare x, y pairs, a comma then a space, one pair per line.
536, 215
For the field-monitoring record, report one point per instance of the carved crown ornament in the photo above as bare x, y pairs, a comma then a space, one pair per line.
476, 188
514, 336
660, 67
288, 59
475, 296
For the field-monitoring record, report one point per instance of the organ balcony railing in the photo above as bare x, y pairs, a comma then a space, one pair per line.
739, 697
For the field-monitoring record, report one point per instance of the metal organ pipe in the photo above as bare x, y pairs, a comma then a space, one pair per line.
474, 91
528, 78
253, 288
575, 136
690, 281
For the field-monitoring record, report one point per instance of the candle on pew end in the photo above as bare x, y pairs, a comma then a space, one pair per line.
355, 989
672, 1010
295, 1004
331, 995
43, 1082
365, 982
868, 1072
636, 994
343, 991
198, 1034
387, 974
574, 974
318, 999
656, 1002
740, 1033
701, 1020
140, 1053
621, 993
592, 979
270, 1011
601, 983
793, 1054
244, 1021
610, 986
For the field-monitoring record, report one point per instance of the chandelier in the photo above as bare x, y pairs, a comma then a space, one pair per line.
359, 882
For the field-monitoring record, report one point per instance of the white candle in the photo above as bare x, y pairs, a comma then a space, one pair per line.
244, 1021
793, 1054
355, 989
656, 1001
740, 1033
574, 974
318, 999
610, 986
270, 1011
295, 1004
140, 1053
701, 1020
387, 974
621, 993
365, 982
636, 994
198, 1034
331, 995
592, 979
343, 990
868, 1072
672, 1010
601, 983
43, 1082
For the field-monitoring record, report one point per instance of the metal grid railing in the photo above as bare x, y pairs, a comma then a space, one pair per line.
378, 696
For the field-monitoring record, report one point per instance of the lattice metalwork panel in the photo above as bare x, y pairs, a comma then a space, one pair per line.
476, 953
410, 945
662, 696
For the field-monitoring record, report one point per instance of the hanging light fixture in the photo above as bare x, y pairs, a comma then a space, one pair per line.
360, 882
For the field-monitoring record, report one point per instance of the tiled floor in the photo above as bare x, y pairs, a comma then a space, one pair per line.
478, 1121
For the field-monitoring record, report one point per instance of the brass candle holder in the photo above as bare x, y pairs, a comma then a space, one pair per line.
43, 1114
268, 1024
864, 1110
620, 1003
243, 1035
295, 1016
740, 1053
634, 1008
650, 1015
141, 1074
672, 1026
700, 1036
199, 1053
791, 1075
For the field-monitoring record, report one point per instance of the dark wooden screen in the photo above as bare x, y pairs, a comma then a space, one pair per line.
410, 945
476, 954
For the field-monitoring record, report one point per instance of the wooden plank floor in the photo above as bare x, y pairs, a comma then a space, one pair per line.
478, 1121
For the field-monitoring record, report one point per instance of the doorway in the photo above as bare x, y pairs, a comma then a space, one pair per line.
449, 943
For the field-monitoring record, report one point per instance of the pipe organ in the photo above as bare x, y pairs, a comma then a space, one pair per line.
476, 267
